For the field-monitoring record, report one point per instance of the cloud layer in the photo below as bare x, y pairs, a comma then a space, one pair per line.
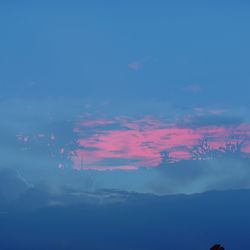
128, 143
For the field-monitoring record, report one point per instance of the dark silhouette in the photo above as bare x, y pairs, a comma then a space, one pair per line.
217, 247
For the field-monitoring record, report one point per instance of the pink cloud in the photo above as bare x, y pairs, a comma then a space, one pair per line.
141, 142
133, 143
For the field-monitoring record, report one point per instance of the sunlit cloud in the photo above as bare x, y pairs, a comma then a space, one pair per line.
140, 142
126, 141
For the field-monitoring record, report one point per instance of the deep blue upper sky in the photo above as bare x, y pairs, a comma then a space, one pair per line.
84, 49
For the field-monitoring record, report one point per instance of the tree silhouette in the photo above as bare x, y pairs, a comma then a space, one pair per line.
217, 247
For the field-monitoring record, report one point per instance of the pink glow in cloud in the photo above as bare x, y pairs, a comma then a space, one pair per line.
136, 65
139, 142
133, 143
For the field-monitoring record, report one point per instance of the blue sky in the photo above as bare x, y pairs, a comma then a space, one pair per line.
83, 49
168, 60
113, 102
179, 63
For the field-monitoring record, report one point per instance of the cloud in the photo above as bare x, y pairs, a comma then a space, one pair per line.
12, 184
140, 142
200, 176
135, 65
192, 88
187, 177
35, 144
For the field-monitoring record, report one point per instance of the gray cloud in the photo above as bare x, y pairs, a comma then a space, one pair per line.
12, 185
204, 175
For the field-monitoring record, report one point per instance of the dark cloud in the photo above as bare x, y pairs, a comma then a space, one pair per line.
75, 220
228, 172
215, 120
12, 185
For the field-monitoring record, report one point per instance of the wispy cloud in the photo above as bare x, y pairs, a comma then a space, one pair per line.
192, 88
135, 65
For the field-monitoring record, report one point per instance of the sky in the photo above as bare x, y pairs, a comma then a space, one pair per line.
117, 86
148, 97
